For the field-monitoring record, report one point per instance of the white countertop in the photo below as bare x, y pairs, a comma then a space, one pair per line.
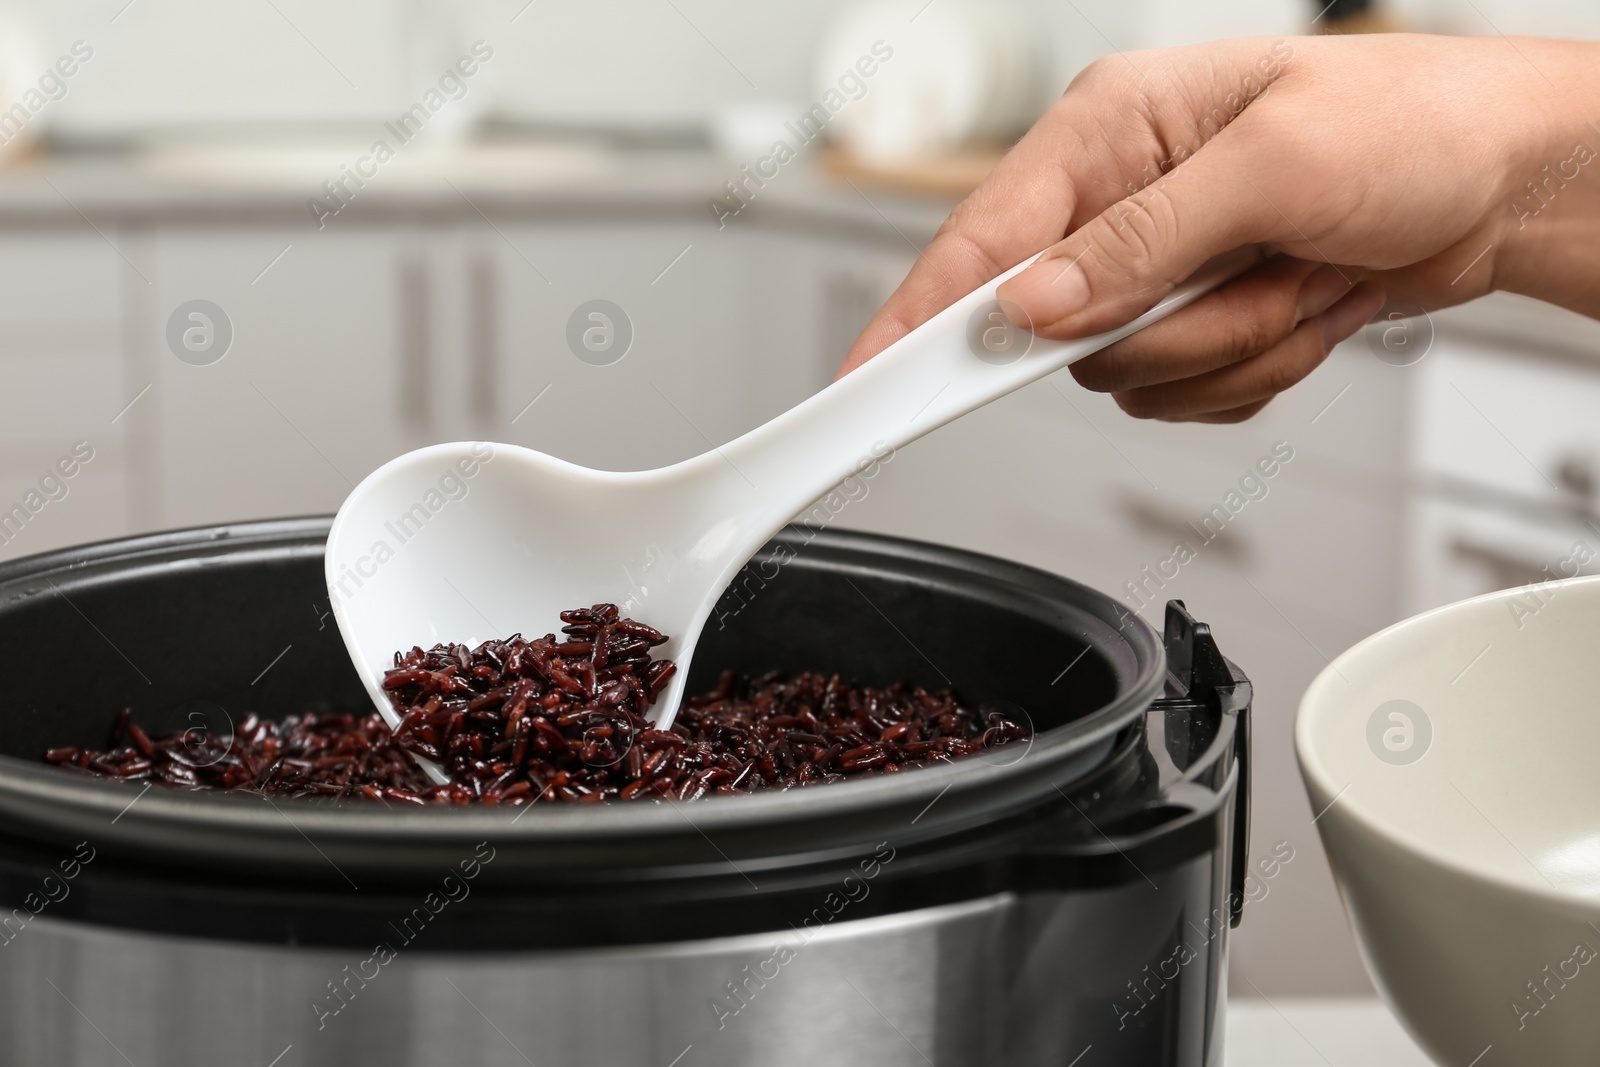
237, 181
1317, 1032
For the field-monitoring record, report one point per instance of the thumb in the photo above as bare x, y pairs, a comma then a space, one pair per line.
1121, 263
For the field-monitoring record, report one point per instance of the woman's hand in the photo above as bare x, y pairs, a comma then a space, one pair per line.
1392, 167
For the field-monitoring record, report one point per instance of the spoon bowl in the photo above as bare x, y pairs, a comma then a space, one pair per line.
467, 541
463, 542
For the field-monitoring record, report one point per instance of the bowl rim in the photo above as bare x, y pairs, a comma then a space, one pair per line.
1317, 776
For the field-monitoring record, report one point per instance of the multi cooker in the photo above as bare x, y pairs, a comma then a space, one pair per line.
1061, 900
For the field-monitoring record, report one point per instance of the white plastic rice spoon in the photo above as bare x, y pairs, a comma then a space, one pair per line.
464, 542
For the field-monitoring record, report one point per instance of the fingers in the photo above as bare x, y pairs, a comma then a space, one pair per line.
1232, 415
1125, 259
1123, 121
1238, 390
1244, 318
1024, 205
1340, 322
1098, 137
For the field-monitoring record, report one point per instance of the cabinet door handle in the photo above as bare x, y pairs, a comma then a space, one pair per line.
415, 344
1506, 569
849, 302
1576, 474
1159, 523
483, 339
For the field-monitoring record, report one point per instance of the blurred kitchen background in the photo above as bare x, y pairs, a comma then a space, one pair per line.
209, 276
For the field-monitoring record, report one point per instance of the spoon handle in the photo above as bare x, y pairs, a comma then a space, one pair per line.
959, 360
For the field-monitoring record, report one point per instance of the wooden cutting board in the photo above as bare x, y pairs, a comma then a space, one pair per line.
945, 177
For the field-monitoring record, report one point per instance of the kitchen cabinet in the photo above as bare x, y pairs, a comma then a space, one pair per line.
1059, 477
813, 294
1308, 565
1459, 547
351, 345
1507, 456
325, 379
729, 328
1517, 424
673, 363
62, 302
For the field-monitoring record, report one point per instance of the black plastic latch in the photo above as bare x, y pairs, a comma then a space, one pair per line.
1197, 672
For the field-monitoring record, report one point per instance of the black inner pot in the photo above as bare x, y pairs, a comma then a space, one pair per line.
208, 625
208, 638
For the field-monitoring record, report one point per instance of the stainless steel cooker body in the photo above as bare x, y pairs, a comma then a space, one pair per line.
1024, 979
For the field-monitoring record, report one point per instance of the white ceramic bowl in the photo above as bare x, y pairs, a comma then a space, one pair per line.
1455, 761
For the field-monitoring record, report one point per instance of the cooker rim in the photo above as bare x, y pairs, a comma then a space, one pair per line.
47, 799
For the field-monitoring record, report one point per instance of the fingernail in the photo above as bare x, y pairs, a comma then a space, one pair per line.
1343, 319
1046, 292
1320, 291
